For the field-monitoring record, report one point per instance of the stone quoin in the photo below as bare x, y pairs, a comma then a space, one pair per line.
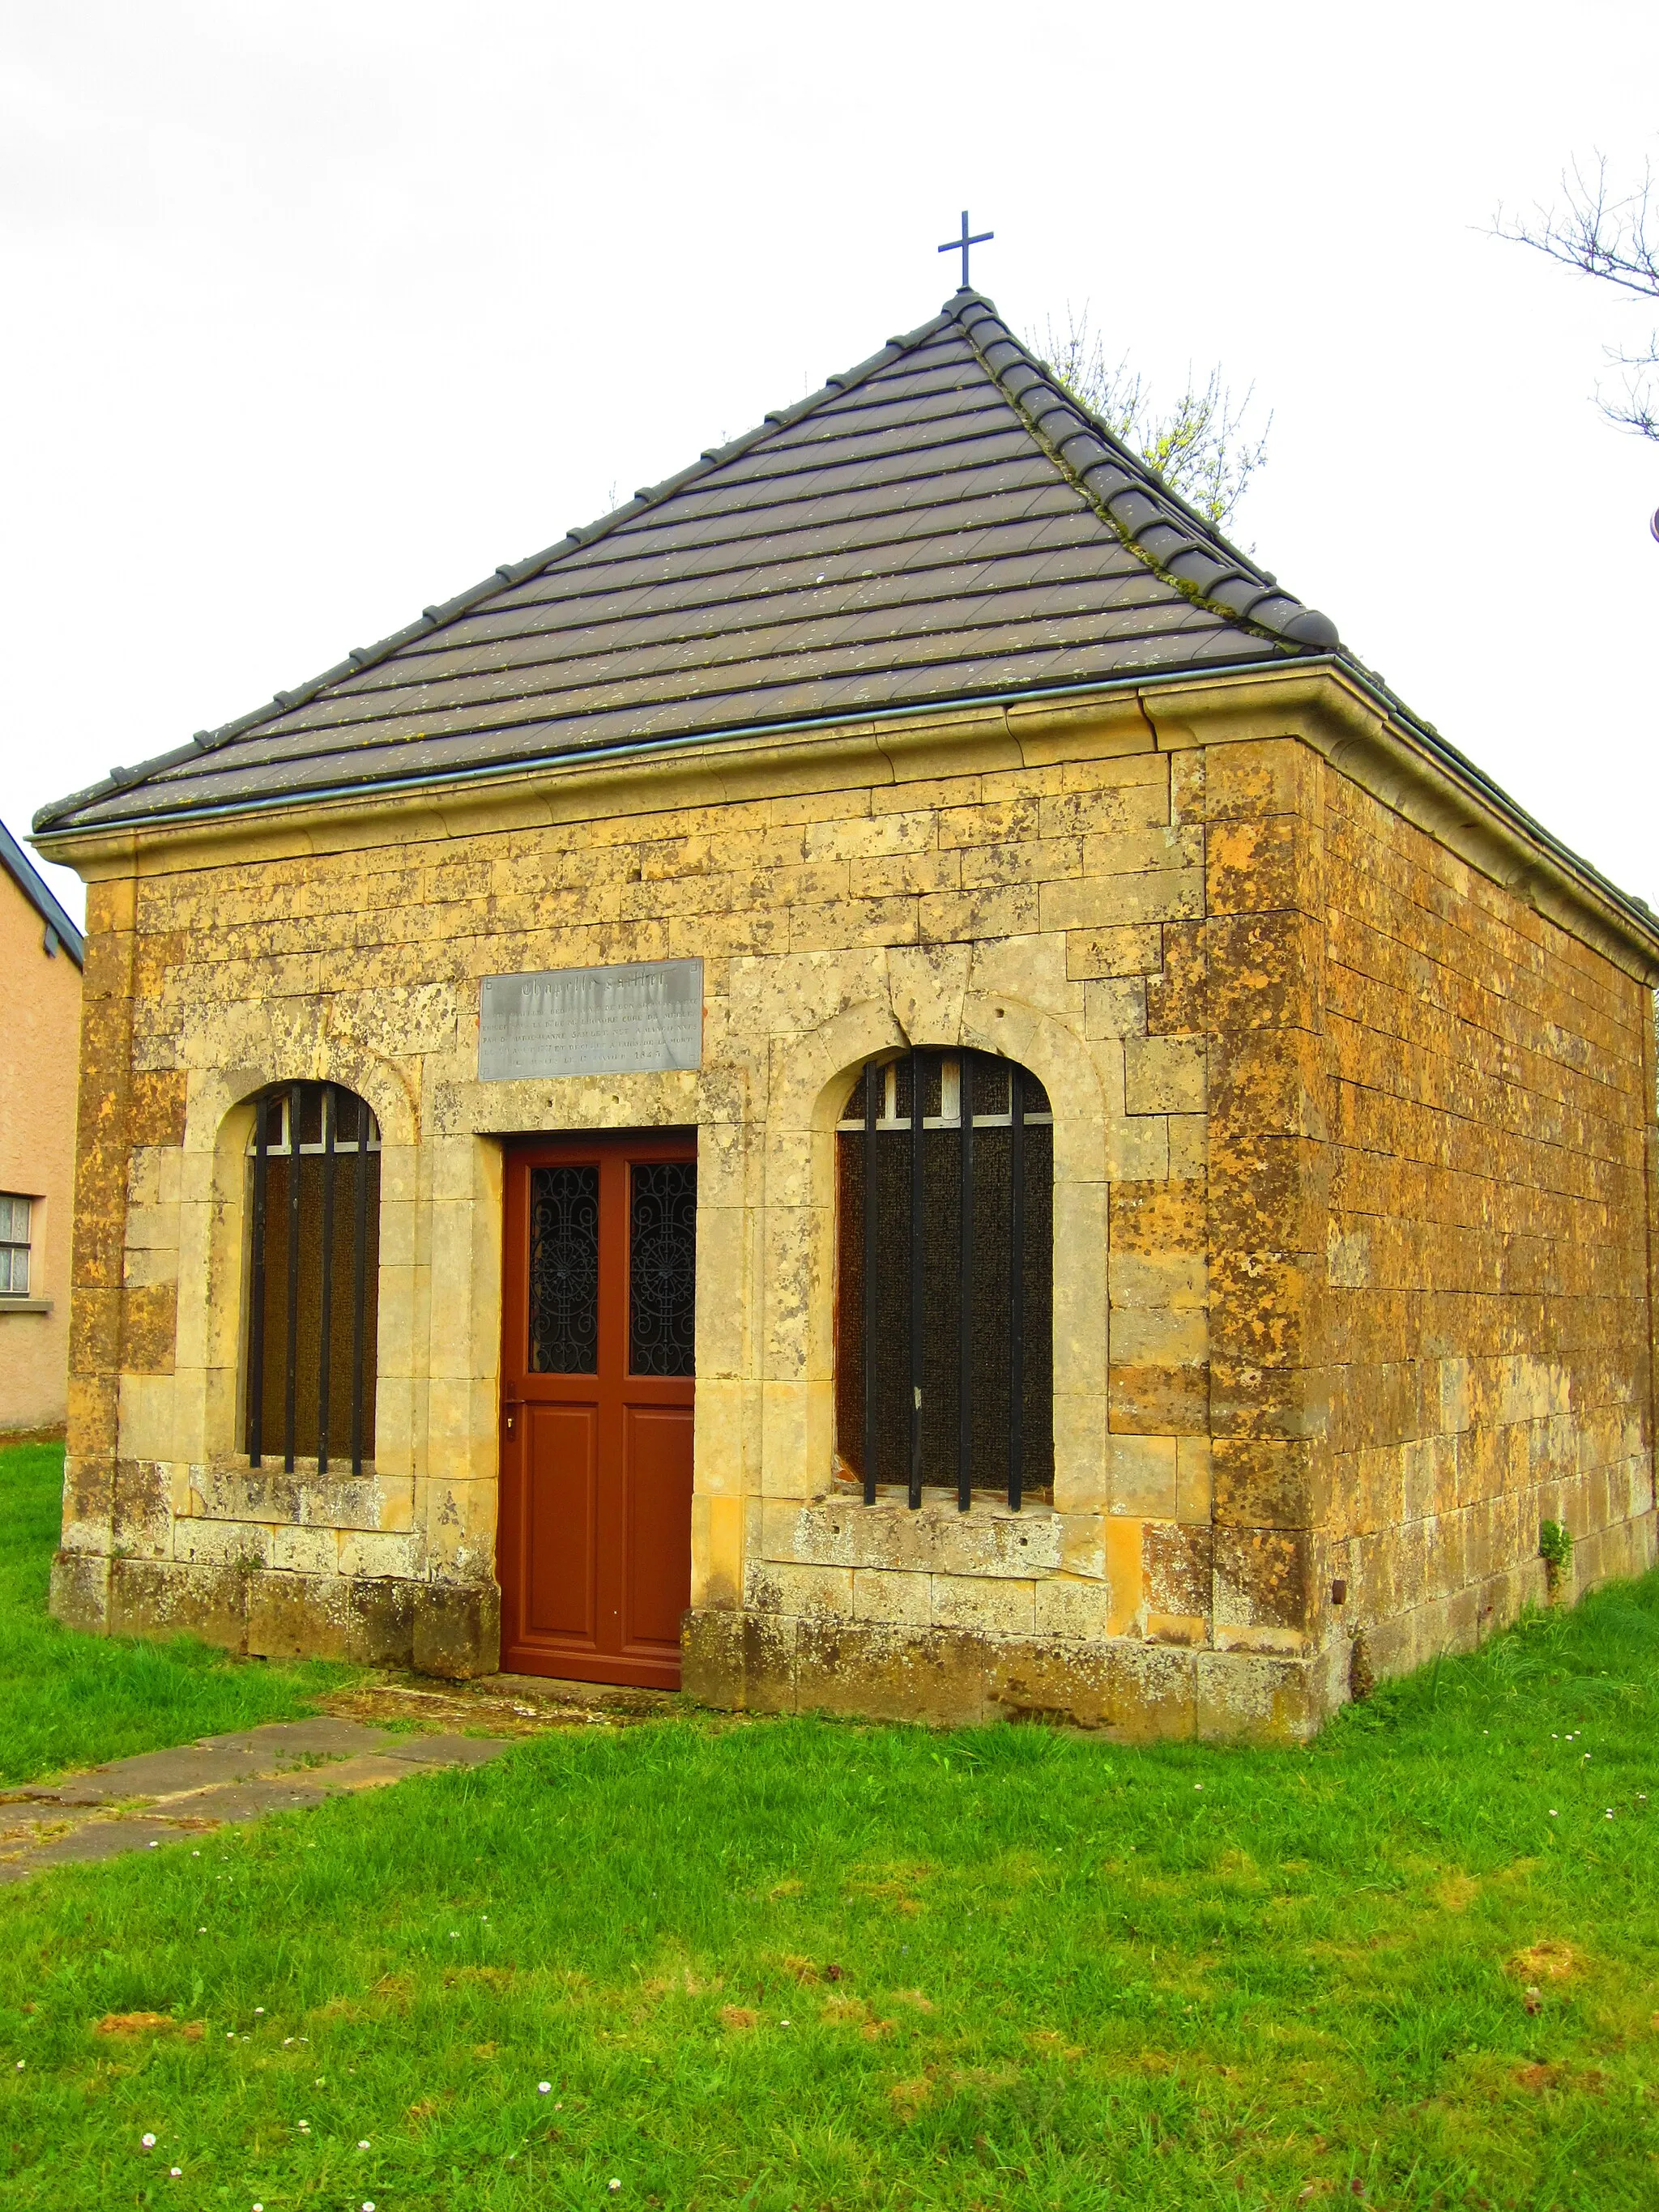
1222, 1121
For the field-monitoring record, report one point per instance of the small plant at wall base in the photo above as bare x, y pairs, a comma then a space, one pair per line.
1555, 1550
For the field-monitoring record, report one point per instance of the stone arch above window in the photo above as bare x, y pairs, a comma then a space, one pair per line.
313, 1255
945, 1266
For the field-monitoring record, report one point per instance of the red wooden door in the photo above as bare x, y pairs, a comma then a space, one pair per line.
594, 1548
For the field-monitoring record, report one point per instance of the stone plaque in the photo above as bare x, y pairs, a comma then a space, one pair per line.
627, 1020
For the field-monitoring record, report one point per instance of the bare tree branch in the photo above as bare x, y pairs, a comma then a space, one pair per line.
1616, 240
1199, 446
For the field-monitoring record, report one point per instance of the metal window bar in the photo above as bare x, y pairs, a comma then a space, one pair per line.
1016, 1287
291, 1362
965, 1277
278, 1133
876, 1112
359, 1266
875, 1080
325, 1288
918, 1194
256, 1350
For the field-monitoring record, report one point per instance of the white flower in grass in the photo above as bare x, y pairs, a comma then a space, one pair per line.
175, 2171
542, 2088
364, 2144
1554, 1815
22, 2063
149, 2142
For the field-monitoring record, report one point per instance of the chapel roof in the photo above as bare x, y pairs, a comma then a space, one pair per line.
941, 524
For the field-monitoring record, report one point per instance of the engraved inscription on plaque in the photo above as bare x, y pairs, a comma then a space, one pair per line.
629, 1020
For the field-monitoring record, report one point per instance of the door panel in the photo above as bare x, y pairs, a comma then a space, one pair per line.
596, 1388
563, 1446
659, 1475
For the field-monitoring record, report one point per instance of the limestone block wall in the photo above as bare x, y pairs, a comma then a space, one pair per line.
1062, 877
1488, 1098
1298, 1341
862, 897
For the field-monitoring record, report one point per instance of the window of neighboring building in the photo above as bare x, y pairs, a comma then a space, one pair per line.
14, 1215
314, 1262
944, 1223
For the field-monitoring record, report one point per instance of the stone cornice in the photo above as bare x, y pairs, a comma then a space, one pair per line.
1358, 729
1428, 782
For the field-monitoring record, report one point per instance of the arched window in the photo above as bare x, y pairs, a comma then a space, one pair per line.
944, 1335
314, 1251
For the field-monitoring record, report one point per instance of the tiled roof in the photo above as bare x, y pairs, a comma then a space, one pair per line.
940, 524
59, 929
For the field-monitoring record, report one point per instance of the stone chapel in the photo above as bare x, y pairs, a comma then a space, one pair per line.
885, 1082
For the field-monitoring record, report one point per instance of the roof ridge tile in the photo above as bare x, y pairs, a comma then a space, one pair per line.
1147, 513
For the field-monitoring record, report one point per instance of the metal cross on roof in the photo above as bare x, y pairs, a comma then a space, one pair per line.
960, 246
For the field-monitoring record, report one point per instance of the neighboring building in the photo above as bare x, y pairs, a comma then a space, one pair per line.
505, 1234
41, 956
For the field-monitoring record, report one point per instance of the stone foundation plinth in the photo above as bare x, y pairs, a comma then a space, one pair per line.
446, 1629
963, 1677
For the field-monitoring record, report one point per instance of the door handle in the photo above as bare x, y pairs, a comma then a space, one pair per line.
510, 1419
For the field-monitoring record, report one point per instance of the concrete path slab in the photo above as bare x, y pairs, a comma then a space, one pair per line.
245, 1801
153, 1774
373, 1770
192, 1788
103, 1839
19, 1822
446, 1750
323, 1733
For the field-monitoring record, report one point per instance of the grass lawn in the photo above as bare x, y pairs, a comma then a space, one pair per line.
789, 1964
72, 1701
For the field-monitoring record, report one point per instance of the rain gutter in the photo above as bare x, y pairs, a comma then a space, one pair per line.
1445, 757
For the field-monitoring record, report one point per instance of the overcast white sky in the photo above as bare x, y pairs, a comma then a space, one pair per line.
315, 312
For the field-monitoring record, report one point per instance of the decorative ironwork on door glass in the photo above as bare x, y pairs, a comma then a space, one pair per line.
564, 1271
662, 1267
